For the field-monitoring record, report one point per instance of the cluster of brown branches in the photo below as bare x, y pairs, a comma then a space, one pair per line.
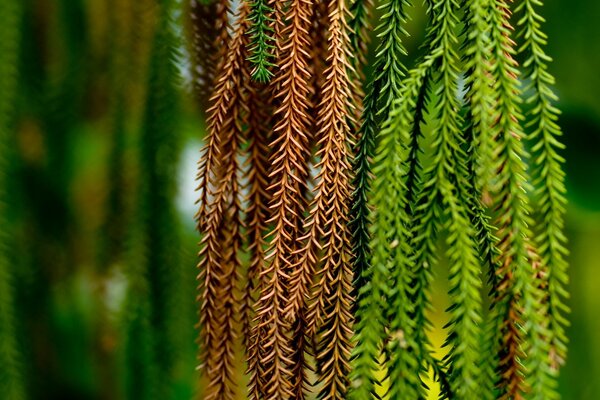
275, 184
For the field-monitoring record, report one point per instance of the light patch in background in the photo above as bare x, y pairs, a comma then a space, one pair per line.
186, 192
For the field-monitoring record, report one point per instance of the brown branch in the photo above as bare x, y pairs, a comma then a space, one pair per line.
288, 177
219, 222
208, 35
258, 198
330, 310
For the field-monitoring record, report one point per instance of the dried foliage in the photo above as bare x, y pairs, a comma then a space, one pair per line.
344, 202
220, 220
207, 32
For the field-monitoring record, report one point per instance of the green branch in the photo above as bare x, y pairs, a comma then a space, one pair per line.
547, 173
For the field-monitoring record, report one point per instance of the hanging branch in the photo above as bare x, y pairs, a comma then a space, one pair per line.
547, 174
11, 384
391, 251
208, 36
478, 134
219, 265
449, 170
443, 192
518, 294
261, 41
288, 176
330, 310
209, 162
257, 212
370, 281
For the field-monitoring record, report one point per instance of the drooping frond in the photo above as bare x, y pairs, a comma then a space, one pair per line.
257, 213
547, 173
288, 178
524, 352
479, 135
261, 41
385, 87
330, 312
219, 104
220, 223
391, 237
208, 32
445, 189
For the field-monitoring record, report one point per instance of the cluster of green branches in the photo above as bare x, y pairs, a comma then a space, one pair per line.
477, 188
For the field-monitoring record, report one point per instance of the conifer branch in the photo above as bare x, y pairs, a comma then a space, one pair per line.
261, 41
330, 312
391, 244
385, 87
519, 291
208, 33
547, 173
219, 265
288, 176
449, 176
478, 134
258, 137
478, 81
219, 104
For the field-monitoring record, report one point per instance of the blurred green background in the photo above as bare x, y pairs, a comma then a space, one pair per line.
88, 98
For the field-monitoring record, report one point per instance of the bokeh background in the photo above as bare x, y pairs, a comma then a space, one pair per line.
87, 98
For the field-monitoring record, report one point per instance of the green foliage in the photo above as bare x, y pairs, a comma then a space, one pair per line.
11, 379
389, 70
261, 47
514, 212
475, 155
547, 174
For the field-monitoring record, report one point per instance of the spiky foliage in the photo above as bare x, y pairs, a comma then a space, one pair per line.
389, 70
220, 221
464, 357
377, 216
261, 44
207, 30
257, 213
330, 312
288, 176
11, 379
479, 135
519, 291
547, 174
